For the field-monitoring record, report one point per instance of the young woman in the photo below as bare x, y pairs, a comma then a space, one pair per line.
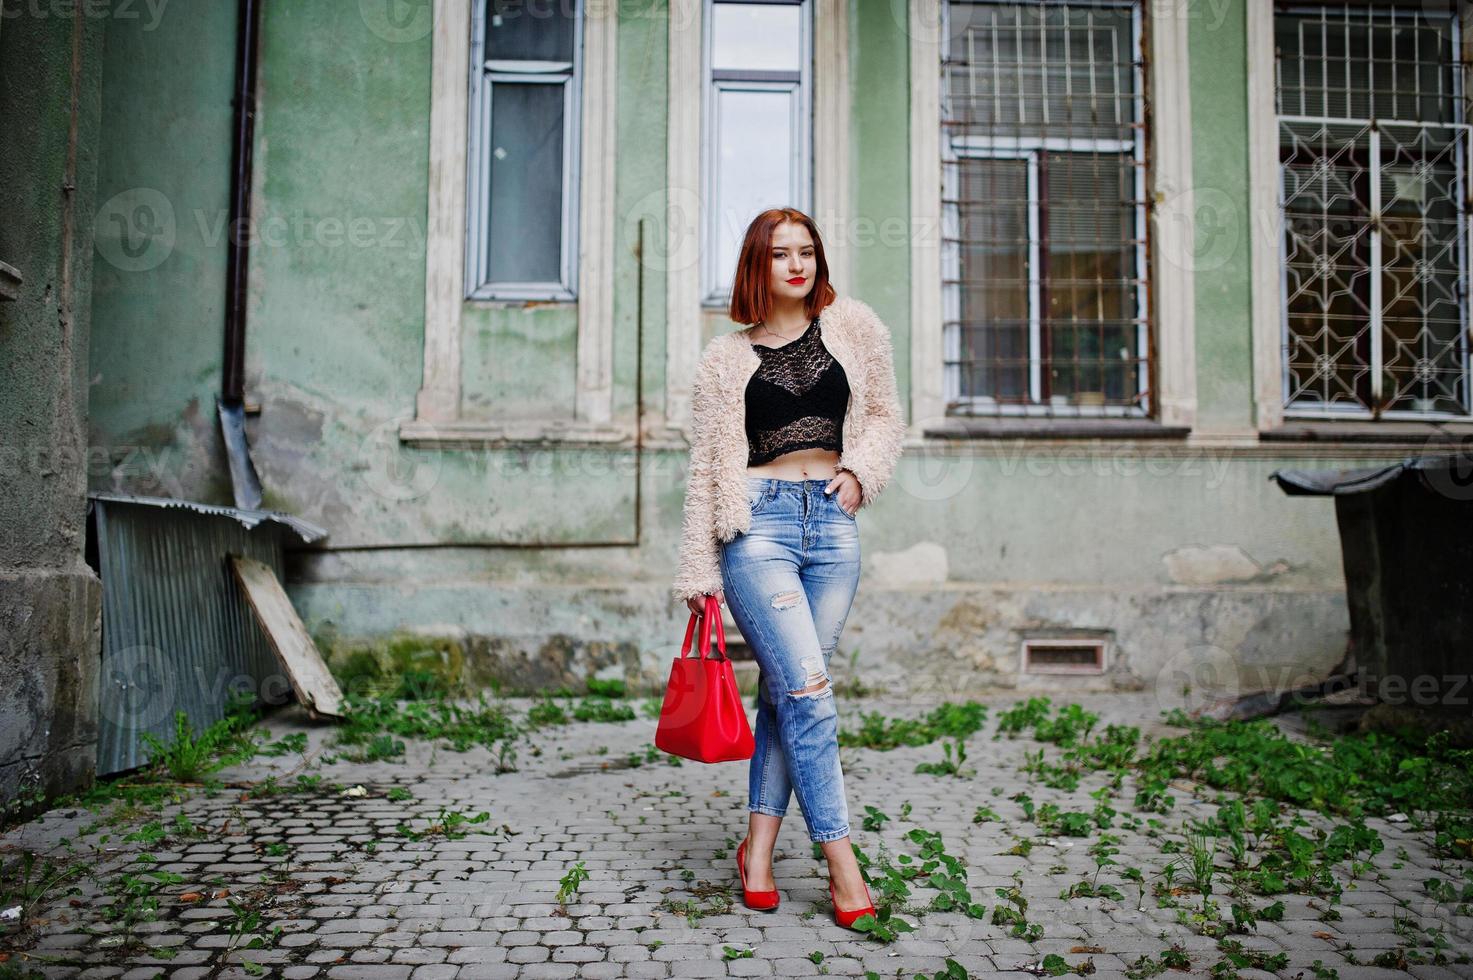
795, 427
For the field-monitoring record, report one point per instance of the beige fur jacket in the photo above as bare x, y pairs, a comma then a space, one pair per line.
716, 507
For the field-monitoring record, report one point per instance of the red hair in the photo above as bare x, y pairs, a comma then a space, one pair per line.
751, 295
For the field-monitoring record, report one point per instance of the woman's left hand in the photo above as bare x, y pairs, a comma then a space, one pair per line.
846, 485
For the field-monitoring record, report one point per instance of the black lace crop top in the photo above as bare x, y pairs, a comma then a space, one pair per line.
796, 399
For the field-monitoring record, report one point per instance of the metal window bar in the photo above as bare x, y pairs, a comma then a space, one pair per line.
1043, 237
1373, 184
486, 75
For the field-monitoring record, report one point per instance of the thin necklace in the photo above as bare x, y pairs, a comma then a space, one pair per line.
774, 333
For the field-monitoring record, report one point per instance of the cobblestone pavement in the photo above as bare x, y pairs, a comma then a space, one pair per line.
354, 897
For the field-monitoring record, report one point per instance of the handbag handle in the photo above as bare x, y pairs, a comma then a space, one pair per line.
712, 613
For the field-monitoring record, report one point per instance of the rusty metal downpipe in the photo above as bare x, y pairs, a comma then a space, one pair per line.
230, 403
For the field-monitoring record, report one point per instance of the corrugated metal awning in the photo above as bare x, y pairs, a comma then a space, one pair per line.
177, 634
306, 531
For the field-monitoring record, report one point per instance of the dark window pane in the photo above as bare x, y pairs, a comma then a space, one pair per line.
995, 271
1421, 288
1327, 252
1341, 63
525, 154
530, 31
1089, 338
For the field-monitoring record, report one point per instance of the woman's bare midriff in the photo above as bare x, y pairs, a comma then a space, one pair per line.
801, 464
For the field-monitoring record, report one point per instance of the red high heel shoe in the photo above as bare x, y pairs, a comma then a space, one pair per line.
761, 901
847, 918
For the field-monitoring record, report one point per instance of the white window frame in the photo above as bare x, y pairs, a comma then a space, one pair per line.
1028, 149
801, 175
1172, 283
484, 77
688, 322
437, 418
1269, 278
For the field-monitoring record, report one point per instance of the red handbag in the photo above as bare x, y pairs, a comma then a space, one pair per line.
703, 717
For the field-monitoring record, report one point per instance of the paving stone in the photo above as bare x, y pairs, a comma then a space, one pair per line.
649, 971
550, 971
489, 971
477, 954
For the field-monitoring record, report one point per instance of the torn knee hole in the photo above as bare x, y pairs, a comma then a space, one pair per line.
785, 600
813, 691
818, 680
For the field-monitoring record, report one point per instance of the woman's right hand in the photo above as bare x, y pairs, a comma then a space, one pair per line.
697, 603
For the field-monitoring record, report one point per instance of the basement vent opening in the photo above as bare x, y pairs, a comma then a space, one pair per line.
1063, 656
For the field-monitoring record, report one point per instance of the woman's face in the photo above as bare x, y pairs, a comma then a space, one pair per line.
793, 262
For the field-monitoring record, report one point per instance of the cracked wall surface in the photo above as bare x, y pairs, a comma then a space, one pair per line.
50, 68
541, 559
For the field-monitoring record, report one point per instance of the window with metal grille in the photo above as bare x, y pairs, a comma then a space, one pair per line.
1044, 209
522, 147
756, 145
1373, 150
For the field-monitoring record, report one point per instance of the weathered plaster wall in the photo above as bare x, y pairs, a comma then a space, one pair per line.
881, 232
1192, 564
159, 293
1219, 98
532, 559
50, 71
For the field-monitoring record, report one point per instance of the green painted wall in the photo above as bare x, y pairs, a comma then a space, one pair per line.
158, 297
336, 315
1219, 100
337, 307
335, 359
882, 230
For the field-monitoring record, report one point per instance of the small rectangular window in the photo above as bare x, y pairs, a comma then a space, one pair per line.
756, 131
518, 31
756, 36
522, 187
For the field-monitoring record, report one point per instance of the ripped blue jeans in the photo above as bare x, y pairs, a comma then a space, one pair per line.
789, 583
